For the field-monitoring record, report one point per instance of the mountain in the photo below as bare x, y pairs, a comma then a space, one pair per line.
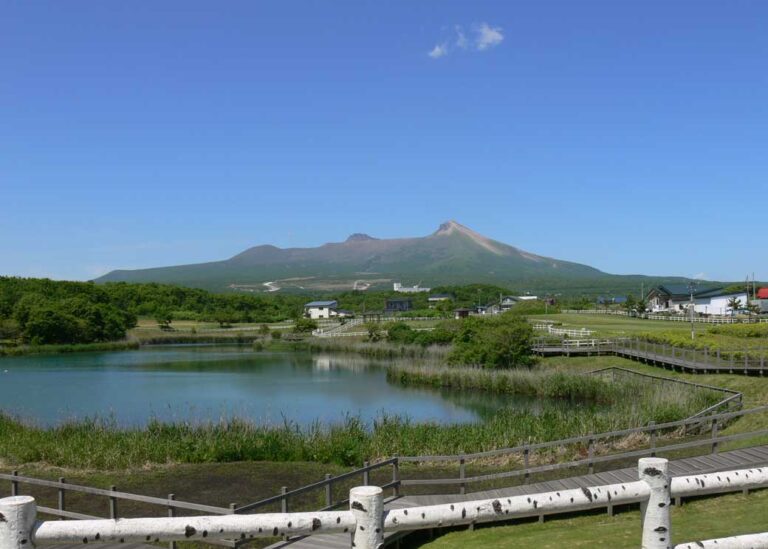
454, 254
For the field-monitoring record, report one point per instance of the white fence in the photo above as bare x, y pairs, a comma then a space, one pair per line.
563, 331
368, 521
671, 318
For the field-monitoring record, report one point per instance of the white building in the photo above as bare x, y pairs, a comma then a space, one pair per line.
409, 289
707, 301
321, 309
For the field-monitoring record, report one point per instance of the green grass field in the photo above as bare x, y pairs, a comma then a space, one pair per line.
696, 520
614, 326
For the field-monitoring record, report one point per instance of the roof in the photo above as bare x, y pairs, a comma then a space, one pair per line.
677, 290
762, 293
321, 304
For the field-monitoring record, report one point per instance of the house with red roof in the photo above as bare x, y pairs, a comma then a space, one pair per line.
762, 293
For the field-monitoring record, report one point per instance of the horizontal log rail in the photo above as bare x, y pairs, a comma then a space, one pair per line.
367, 520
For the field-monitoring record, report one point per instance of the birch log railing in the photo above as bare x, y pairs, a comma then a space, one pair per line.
367, 520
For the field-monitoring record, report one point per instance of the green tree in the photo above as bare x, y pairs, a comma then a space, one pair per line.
163, 317
304, 325
375, 333
504, 341
734, 304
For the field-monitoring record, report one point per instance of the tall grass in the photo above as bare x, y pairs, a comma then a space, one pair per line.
67, 348
379, 350
101, 444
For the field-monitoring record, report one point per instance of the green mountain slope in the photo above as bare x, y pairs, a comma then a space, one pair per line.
454, 254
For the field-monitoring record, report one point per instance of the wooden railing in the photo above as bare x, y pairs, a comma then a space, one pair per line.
588, 446
368, 521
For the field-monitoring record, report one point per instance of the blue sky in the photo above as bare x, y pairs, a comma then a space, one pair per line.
631, 136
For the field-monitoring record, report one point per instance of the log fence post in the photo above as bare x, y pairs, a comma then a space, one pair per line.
396, 477
657, 528
19, 516
652, 438
366, 473
367, 506
462, 475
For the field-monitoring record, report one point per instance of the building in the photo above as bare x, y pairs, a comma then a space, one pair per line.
434, 299
507, 302
707, 301
461, 313
409, 289
321, 309
762, 300
398, 305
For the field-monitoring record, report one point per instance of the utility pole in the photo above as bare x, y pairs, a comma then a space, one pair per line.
691, 288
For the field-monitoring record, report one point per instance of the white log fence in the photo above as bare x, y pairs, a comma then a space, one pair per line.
367, 520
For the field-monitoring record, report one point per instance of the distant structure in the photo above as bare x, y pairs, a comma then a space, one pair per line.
434, 299
409, 289
709, 301
321, 309
398, 305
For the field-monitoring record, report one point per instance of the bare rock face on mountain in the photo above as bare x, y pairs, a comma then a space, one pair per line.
454, 254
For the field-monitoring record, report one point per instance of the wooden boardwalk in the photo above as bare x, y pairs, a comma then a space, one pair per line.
685, 360
756, 456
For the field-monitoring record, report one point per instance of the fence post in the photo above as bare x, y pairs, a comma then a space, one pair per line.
714, 437
591, 454
62, 480
657, 529
15, 484
328, 491
366, 473
527, 463
19, 515
367, 506
653, 438
396, 477
283, 499
113, 503
462, 475
171, 513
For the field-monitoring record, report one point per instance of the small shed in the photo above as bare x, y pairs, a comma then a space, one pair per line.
463, 312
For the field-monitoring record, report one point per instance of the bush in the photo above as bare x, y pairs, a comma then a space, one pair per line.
504, 341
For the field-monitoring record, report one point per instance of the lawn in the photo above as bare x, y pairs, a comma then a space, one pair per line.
696, 520
614, 326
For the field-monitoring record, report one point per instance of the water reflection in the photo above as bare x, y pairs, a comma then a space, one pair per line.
183, 383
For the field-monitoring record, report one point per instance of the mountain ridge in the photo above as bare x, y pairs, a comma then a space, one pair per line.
453, 254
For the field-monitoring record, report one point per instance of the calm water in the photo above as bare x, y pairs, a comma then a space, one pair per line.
200, 383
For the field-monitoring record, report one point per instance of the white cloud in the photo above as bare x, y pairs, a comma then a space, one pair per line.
439, 51
700, 276
488, 37
461, 38
483, 37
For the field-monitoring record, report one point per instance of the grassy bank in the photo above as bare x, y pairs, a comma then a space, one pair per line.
379, 350
21, 350
658, 399
103, 445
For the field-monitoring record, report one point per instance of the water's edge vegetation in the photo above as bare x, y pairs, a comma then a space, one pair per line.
102, 444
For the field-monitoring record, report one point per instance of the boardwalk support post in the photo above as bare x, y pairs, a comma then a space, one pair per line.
17, 520
657, 530
367, 506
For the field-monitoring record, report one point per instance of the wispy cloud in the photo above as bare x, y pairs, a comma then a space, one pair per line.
483, 37
461, 38
439, 51
488, 37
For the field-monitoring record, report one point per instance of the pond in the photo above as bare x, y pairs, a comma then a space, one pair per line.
200, 383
